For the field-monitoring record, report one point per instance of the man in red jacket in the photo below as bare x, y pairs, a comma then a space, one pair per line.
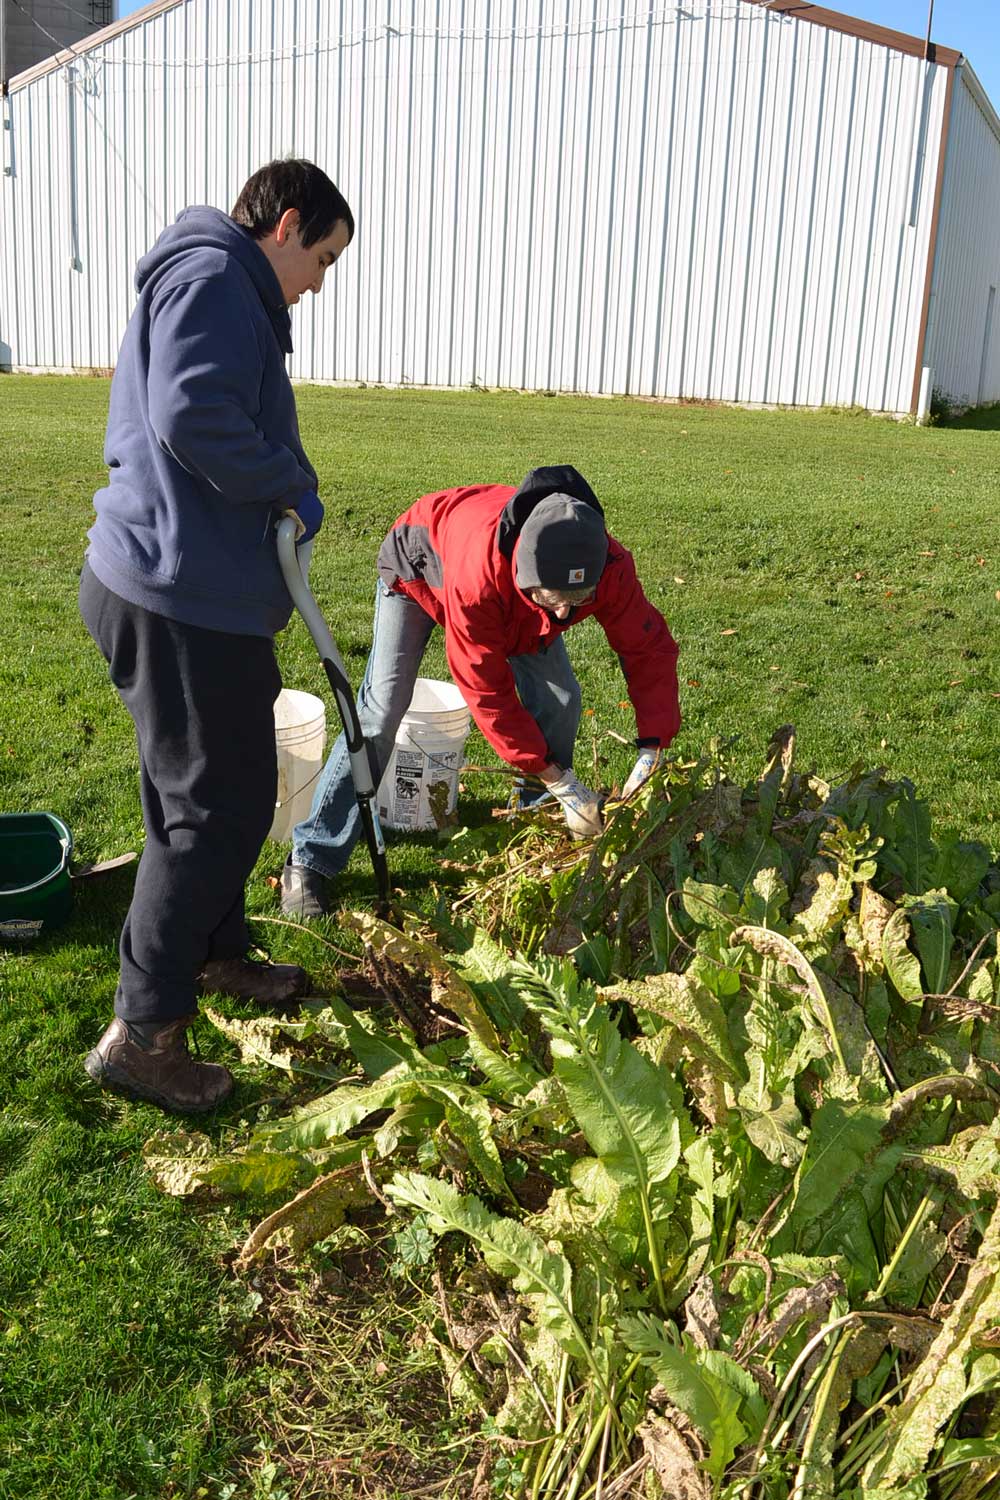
506, 572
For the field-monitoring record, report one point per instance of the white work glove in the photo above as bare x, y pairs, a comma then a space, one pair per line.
641, 771
579, 804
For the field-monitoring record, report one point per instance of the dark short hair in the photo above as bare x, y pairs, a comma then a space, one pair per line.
292, 183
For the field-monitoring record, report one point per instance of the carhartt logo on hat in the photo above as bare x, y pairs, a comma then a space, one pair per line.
560, 530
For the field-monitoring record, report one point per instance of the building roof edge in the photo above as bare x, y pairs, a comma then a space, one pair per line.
88, 43
883, 36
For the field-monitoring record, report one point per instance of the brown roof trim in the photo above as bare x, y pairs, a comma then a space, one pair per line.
87, 43
833, 20
932, 240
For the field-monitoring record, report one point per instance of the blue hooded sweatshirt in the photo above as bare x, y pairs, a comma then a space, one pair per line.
203, 439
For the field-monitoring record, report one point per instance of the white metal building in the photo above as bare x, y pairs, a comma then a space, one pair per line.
717, 199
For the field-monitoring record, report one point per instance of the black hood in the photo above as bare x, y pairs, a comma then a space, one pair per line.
557, 479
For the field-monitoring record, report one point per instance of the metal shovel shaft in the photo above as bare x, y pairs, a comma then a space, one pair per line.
358, 750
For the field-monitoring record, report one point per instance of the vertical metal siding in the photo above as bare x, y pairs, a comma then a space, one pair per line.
707, 201
963, 334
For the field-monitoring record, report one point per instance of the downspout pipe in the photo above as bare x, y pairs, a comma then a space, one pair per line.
932, 241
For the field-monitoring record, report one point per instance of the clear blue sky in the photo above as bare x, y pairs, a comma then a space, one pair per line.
970, 26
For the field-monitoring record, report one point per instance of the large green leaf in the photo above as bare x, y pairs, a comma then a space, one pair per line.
932, 918
508, 1248
512, 1077
337, 1112
841, 1138
845, 1232
621, 1102
486, 968
710, 905
470, 1122
902, 967
376, 1049
692, 1010
695, 1386
963, 864
833, 1006
340, 1110
409, 1124
909, 851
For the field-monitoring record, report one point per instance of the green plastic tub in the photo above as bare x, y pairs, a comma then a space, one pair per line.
35, 890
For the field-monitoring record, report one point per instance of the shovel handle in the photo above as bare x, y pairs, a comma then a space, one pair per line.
294, 568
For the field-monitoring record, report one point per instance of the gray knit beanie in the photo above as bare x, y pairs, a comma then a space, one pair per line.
563, 545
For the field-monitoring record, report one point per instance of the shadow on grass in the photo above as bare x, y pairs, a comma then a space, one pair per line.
977, 418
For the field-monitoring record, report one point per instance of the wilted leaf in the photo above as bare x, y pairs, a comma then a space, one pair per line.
775, 1132
671, 1461
176, 1160
939, 1385
866, 934
701, 1314
766, 897
259, 1041
313, 1214
830, 899
969, 1162
427, 961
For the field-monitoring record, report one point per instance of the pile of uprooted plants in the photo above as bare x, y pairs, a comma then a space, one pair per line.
713, 1105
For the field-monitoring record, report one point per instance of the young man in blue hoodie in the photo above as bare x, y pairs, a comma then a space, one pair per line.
182, 591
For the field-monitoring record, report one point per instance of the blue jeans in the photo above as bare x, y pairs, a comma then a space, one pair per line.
546, 685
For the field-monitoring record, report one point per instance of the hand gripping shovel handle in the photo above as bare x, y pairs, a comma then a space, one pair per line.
294, 567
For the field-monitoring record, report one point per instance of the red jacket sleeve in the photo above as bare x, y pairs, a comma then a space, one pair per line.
475, 646
647, 651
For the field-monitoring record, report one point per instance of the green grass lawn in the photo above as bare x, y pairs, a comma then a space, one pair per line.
829, 569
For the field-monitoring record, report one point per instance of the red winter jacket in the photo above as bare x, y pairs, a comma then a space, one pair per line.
454, 554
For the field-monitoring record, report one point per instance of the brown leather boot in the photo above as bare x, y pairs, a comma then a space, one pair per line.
158, 1067
249, 979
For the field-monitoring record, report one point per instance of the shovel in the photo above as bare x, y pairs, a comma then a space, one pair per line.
295, 568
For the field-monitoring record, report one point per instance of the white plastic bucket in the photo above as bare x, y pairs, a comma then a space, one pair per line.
422, 771
299, 738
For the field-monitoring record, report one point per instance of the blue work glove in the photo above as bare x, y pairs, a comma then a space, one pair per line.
308, 509
641, 771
